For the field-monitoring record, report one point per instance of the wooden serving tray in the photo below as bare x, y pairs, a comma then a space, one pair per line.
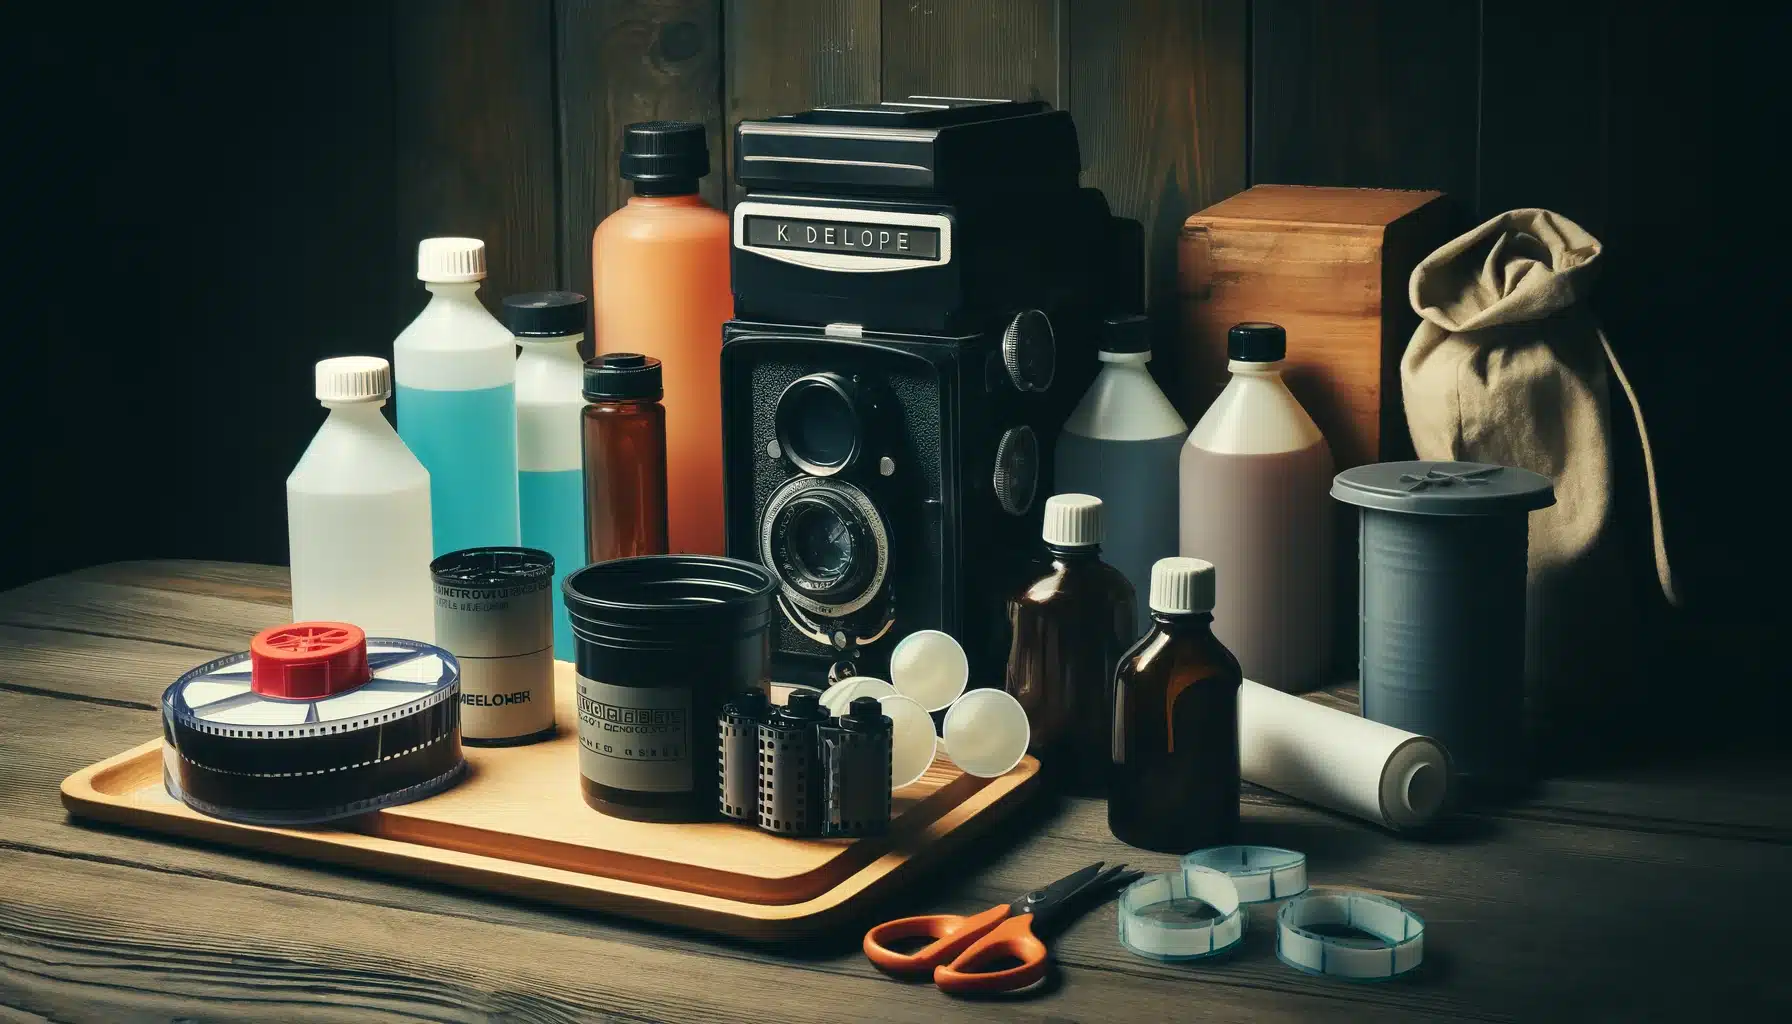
518, 826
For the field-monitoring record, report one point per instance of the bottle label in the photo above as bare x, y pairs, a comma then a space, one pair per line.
635, 738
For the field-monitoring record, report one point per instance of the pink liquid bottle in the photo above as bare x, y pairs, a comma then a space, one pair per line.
1255, 479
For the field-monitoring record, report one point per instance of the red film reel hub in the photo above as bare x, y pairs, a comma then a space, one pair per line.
305, 660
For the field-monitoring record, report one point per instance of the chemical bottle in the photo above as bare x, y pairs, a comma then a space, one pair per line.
357, 513
625, 457
1255, 478
550, 470
1122, 444
659, 268
456, 371
1069, 628
1175, 736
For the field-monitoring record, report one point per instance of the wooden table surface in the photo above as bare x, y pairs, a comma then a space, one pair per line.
1638, 895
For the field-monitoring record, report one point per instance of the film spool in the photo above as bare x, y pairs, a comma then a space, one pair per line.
738, 750
1186, 915
313, 723
856, 764
790, 775
495, 611
1260, 873
1396, 944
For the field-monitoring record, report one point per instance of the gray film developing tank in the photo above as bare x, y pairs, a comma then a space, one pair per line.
662, 642
495, 614
1442, 585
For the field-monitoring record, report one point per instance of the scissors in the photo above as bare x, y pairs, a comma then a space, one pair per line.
961, 946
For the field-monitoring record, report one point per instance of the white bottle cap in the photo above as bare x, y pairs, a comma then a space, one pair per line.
1181, 586
354, 379
1072, 520
450, 260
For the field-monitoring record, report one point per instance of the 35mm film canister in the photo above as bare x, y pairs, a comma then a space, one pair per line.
495, 614
855, 764
790, 776
738, 751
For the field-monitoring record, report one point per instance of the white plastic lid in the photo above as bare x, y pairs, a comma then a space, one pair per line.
450, 260
1072, 520
354, 379
1181, 586
912, 740
986, 733
929, 667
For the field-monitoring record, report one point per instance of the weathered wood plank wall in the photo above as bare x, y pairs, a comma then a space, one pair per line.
263, 210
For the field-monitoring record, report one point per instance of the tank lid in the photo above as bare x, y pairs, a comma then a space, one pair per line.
1443, 488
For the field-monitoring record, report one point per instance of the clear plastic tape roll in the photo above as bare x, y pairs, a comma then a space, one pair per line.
1184, 915
1339, 760
1260, 873
1398, 945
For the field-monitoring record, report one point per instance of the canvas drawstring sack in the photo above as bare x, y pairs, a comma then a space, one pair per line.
1508, 366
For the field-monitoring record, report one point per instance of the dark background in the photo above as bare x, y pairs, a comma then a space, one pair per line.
207, 198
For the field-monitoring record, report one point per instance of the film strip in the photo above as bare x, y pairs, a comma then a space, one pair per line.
235, 749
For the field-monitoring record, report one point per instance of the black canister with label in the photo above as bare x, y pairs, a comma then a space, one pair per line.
737, 744
661, 642
495, 614
855, 765
790, 791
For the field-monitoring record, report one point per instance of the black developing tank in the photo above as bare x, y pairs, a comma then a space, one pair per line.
661, 642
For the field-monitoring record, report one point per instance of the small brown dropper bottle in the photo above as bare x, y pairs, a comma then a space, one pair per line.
1069, 628
625, 457
1175, 775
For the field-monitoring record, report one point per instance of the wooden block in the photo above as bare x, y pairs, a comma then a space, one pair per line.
1331, 266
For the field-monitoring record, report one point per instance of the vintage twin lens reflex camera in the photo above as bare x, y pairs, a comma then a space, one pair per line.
918, 287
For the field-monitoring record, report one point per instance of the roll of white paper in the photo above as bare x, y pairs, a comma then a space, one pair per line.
1339, 760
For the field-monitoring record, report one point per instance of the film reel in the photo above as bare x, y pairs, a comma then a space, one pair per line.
313, 723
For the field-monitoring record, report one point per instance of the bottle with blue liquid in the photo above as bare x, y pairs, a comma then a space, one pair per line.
550, 467
456, 373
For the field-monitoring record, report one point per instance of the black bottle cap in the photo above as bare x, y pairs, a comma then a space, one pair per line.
866, 714
623, 376
1126, 334
802, 706
665, 157
545, 314
1256, 342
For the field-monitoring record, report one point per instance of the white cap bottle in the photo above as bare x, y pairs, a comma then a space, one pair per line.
357, 512
455, 366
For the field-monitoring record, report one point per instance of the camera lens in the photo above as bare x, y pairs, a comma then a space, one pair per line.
826, 542
818, 423
821, 543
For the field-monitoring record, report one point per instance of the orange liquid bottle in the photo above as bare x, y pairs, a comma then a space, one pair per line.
659, 268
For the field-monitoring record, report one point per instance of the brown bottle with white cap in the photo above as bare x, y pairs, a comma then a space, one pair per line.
1070, 627
1174, 786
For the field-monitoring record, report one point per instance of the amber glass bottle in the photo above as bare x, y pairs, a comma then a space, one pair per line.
1069, 628
625, 458
1175, 741
659, 278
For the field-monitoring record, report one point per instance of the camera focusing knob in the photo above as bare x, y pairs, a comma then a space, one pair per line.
1017, 470
1030, 351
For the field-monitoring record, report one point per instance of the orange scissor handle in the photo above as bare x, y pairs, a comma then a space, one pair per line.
951, 936
1013, 939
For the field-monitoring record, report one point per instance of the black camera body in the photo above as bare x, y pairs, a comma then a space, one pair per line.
918, 292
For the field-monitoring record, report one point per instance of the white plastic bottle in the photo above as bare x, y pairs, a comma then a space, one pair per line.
357, 512
550, 401
1121, 444
456, 372
1256, 475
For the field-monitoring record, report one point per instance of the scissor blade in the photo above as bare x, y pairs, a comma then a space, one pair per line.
1057, 891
